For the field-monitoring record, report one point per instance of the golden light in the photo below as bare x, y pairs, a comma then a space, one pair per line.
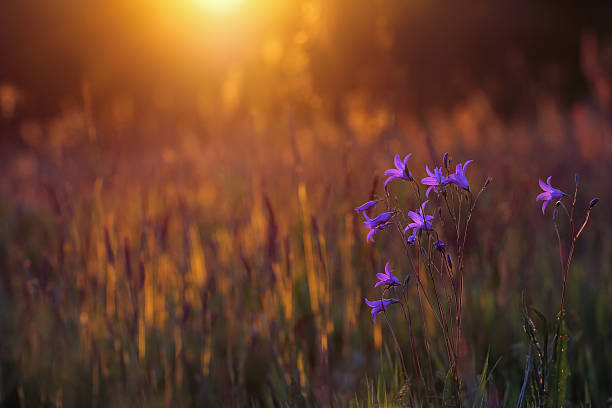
220, 6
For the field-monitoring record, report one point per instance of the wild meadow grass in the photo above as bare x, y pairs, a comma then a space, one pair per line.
227, 272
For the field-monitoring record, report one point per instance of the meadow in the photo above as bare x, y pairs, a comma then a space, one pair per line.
154, 260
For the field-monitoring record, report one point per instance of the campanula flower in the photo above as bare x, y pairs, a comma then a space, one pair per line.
400, 170
412, 239
435, 179
550, 193
367, 206
380, 219
459, 176
387, 278
379, 305
439, 245
421, 221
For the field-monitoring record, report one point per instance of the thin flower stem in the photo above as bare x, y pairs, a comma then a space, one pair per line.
560, 248
569, 258
415, 357
444, 326
399, 350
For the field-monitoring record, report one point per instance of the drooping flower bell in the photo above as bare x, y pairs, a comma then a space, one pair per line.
379, 306
366, 206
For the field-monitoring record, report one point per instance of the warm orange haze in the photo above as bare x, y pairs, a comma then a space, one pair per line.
248, 203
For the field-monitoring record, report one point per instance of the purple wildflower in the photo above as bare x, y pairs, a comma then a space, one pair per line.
387, 278
412, 240
435, 179
550, 193
459, 176
400, 170
379, 305
380, 219
367, 206
439, 245
421, 221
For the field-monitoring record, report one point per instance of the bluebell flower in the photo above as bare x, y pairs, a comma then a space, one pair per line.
421, 221
458, 177
387, 278
411, 239
380, 219
550, 193
435, 179
439, 245
400, 170
379, 305
367, 206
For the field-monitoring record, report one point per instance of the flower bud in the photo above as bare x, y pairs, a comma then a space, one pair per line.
576, 178
593, 202
450, 263
445, 160
555, 213
439, 245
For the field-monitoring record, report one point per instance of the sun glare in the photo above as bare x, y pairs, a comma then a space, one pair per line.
220, 6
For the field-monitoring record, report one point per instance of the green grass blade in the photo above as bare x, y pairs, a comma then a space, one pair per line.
559, 370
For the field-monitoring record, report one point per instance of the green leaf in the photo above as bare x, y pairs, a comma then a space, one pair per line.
559, 370
481, 396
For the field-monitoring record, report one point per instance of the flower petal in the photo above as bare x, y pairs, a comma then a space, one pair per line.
543, 185
398, 162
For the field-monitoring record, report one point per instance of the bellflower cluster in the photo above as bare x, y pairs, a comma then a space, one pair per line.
446, 281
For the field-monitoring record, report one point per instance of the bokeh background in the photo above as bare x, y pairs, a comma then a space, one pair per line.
178, 178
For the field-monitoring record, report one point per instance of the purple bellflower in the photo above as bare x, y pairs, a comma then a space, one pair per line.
411, 240
380, 219
379, 305
459, 176
376, 224
387, 278
421, 221
435, 179
367, 206
400, 170
550, 193
439, 245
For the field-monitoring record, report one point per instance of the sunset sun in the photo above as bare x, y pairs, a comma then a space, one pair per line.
220, 6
